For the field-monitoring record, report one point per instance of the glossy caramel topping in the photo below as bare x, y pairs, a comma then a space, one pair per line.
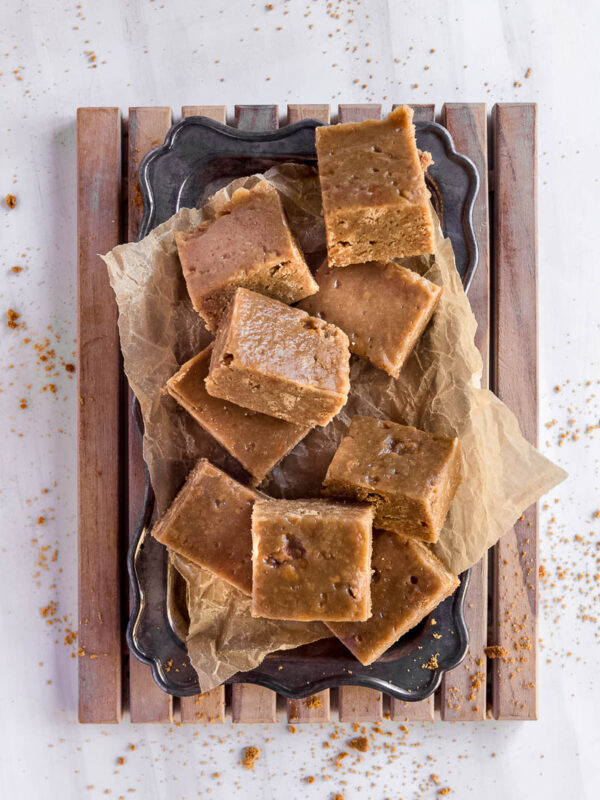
311, 559
257, 441
408, 582
209, 522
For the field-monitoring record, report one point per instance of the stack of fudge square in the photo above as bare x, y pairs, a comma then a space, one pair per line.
356, 558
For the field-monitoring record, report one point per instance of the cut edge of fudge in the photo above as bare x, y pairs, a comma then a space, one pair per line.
263, 511
431, 506
159, 530
288, 279
257, 475
407, 222
236, 383
450, 582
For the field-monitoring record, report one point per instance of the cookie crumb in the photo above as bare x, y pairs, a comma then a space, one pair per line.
250, 757
496, 651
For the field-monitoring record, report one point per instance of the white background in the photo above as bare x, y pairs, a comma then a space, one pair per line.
183, 52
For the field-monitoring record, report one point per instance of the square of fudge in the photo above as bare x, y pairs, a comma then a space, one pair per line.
210, 523
279, 361
410, 476
256, 440
408, 583
375, 201
382, 307
311, 560
248, 244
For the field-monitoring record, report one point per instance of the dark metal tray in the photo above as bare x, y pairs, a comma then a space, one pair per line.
200, 156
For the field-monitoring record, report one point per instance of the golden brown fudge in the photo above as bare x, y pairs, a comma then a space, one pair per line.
409, 475
383, 307
256, 440
249, 244
375, 201
279, 361
408, 582
209, 522
311, 560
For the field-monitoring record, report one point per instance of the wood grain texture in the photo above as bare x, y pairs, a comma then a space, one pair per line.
315, 708
147, 129
358, 112
463, 691
99, 429
250, 703
355, 703
423, 711
210, 706
218, 113
296, 112
514, 373
207, 707
423, 112
256, 118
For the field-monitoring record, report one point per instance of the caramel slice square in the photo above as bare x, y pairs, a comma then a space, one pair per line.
382, 307
209, 522
409, 475
311, 560
279, 361
256, 440
375, 201
408, 583
249, 244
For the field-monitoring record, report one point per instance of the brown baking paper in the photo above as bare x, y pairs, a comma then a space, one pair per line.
223, 637
438, 390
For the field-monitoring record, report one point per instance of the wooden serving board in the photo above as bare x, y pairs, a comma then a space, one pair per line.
111, 475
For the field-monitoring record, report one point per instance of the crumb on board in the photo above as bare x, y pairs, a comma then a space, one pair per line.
10, 200
496, 651
313, 702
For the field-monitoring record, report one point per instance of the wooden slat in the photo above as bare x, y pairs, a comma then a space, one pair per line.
297, 112
256, 118
358, 112
210, 706
315, 708
423, 112
147, 129
357, 704
98, 230
423, 711
207, 707
218, 113
514, 688
250, 703
301, 710
463, 692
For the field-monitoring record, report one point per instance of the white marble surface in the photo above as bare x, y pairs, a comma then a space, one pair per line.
148, 53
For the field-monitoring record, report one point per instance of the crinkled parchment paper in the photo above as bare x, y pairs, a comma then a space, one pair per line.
438, 390
223, 637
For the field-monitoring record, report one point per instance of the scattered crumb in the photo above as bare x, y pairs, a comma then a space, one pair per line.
250, 757
496, 651
431, 664
10, 200
360, 743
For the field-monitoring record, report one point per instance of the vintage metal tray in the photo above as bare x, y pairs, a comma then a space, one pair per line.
200, 156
